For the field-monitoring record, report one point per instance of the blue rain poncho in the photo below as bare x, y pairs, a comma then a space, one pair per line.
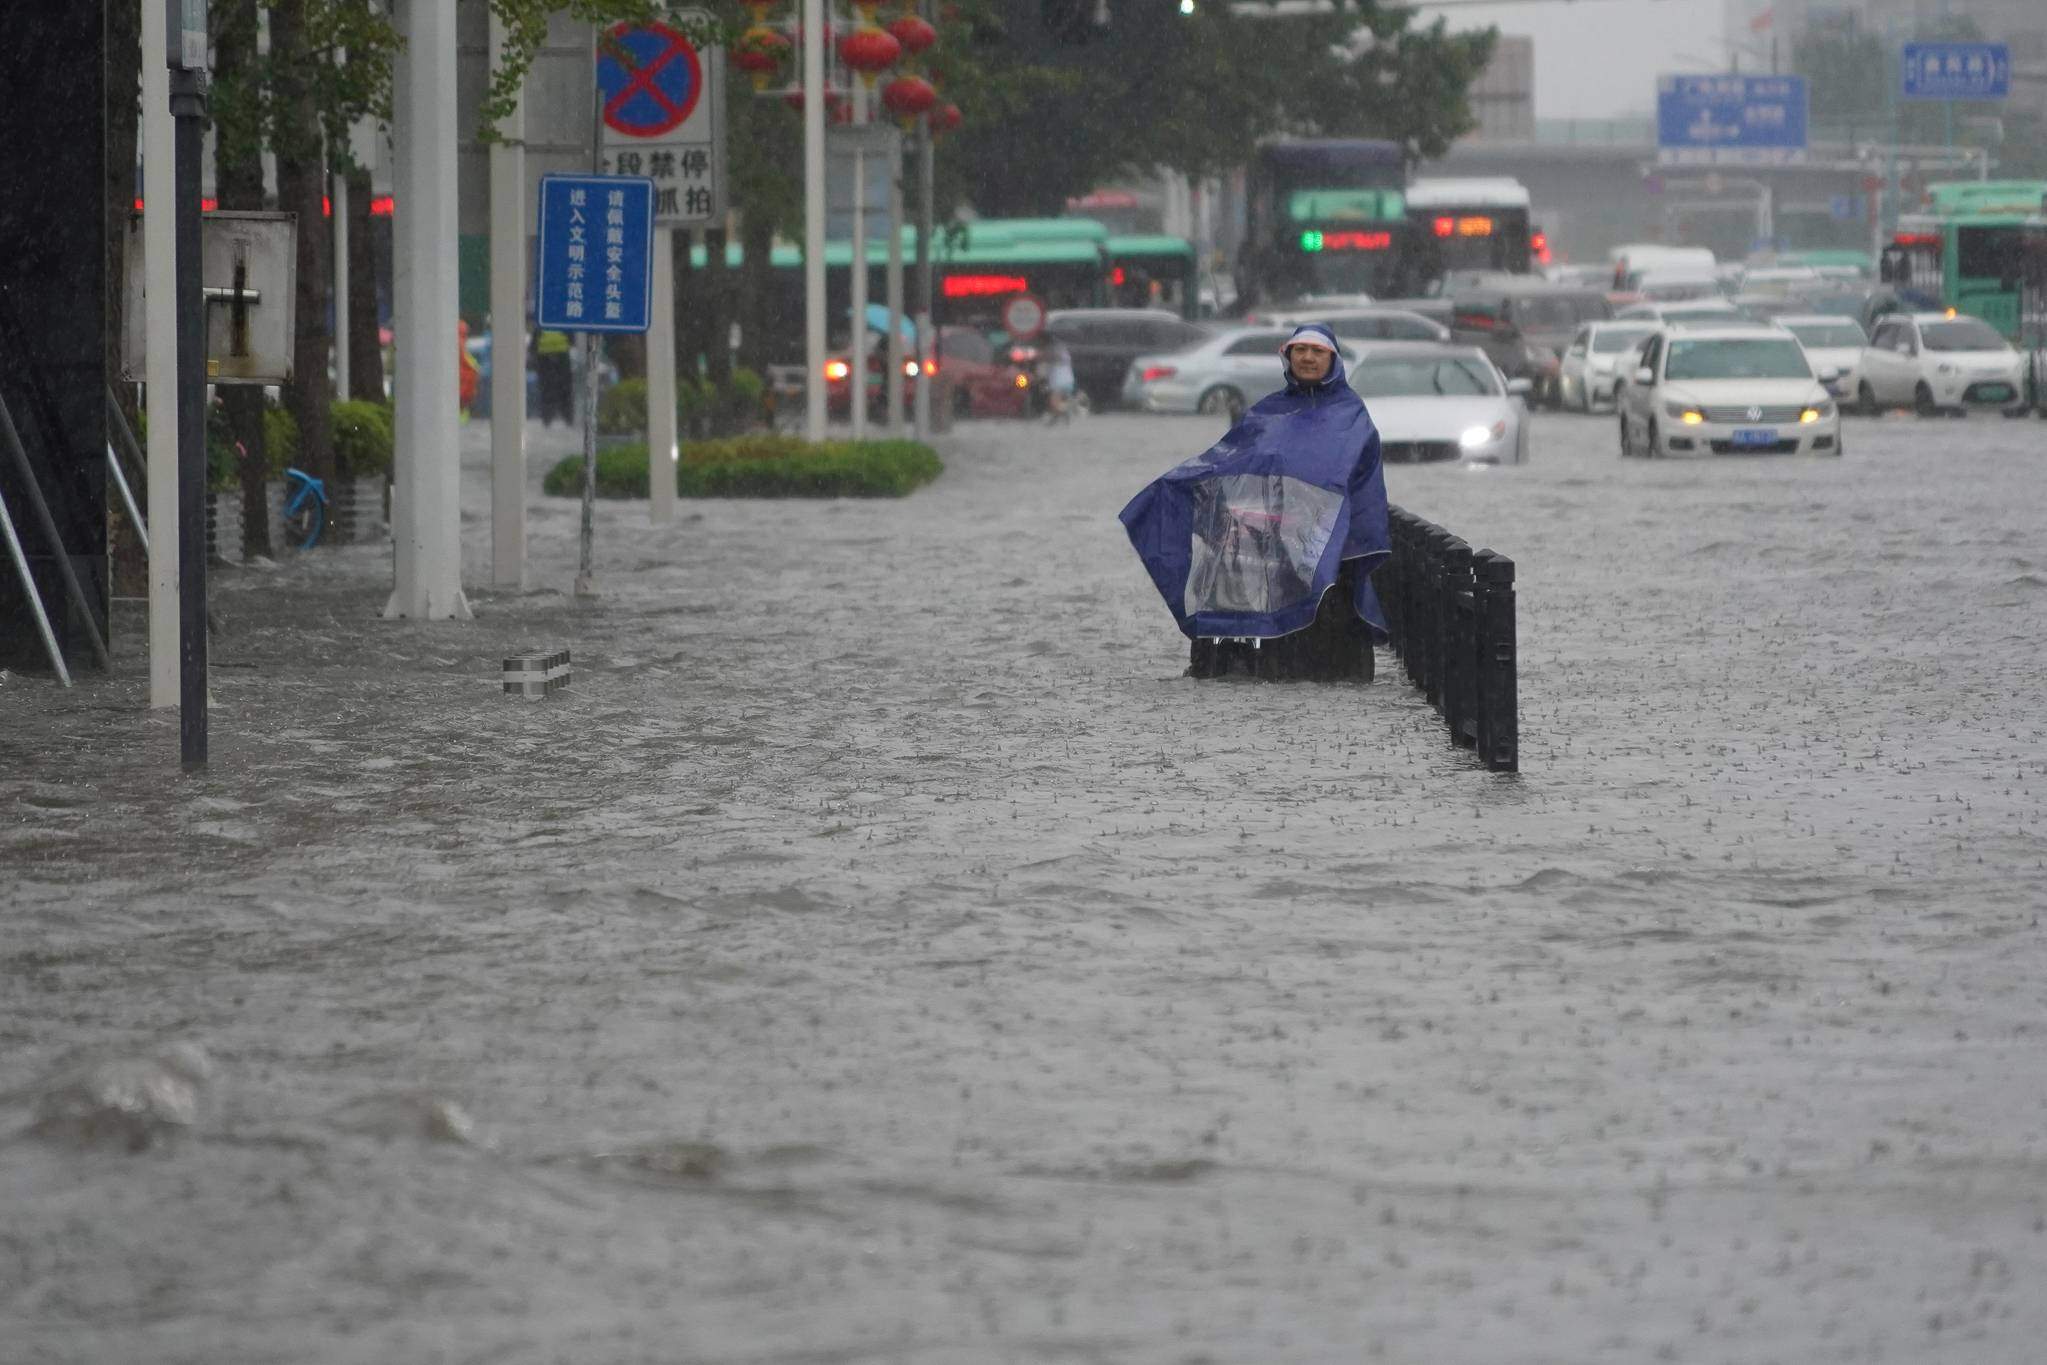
1244, 539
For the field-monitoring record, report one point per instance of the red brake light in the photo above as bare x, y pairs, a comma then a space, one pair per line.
836, 370
1153, 373
1445, 226
931, 367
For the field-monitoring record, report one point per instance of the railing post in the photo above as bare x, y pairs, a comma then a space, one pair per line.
1460, 676
1498, 660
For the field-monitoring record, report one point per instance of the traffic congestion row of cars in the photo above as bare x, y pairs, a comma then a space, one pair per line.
1762, 362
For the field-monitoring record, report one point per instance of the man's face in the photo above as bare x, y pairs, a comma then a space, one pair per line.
1309, 363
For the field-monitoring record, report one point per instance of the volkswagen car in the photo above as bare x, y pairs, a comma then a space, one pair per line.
1730, 390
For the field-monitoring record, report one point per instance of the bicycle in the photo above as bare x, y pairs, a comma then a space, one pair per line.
305, 508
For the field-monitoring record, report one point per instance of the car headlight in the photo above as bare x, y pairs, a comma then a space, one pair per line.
1474, 437
1685, 413
1815, 413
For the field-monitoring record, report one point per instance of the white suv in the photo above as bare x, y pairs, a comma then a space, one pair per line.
1939, 361
1727, 391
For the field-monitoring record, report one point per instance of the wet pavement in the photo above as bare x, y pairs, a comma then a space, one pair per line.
882, 953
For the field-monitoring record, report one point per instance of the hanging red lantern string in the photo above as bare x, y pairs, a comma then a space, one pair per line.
908, 96
760, 53
870, 51
913, 33
945, 118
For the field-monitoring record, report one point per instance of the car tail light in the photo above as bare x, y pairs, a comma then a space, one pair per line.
931, 367
1153, 373
1023, 381
910, 368
836, 370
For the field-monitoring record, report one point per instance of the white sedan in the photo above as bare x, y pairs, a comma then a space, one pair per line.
1433, 402
1939, 361
1831, 343
1727, 391
1221, 374
1590, 370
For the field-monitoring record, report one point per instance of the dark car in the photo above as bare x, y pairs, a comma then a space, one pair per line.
1103, 342
1525, 328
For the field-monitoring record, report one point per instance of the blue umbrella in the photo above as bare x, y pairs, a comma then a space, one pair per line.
877, 321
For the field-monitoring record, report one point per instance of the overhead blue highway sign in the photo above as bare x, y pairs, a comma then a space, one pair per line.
1956, 71
1730, 120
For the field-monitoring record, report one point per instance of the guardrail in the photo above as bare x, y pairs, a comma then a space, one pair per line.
1450, 610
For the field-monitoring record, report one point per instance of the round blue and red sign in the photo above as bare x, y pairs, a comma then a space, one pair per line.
650, 77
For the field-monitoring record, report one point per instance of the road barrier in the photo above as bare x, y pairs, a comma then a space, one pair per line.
1451, 613
537, 675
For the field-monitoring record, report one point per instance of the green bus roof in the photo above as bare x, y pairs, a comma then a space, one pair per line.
1985, 198
992, 248
1150, 244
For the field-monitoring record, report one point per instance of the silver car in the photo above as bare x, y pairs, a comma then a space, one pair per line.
1224, 373
1589, 373
1433, 402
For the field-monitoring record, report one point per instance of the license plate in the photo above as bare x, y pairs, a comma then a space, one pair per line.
1993, 393
1755, 436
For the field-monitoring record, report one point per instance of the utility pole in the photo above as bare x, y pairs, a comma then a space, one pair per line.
813, 220
185, 55
927, 337
160, 264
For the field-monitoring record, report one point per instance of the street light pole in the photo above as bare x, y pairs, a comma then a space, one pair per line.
186, 57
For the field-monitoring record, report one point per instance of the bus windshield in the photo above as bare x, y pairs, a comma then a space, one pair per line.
1744, 359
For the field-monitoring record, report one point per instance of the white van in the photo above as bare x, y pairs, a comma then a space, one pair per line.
1635, 262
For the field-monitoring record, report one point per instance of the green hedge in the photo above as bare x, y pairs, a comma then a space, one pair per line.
764, 465
622, 409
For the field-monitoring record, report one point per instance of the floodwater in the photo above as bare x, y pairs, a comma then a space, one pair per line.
883, 954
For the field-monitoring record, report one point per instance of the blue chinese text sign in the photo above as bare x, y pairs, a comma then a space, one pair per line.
1730, 120
595, 253
1956, 71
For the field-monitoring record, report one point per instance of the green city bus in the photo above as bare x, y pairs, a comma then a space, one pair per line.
1154, 271
1968, 247
977, 267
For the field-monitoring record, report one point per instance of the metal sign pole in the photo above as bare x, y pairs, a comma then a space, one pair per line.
508, 339
895, 294
187, 58
586, 580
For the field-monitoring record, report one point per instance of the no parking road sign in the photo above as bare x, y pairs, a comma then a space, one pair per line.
596, 248
663, 100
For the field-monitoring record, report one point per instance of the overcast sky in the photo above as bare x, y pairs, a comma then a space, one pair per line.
1600, 58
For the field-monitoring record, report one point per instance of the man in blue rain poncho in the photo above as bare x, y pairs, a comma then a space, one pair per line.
1245, 540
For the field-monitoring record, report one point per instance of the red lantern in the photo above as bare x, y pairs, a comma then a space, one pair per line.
945, 118
913, 33
869, 51
760, 53
908, 96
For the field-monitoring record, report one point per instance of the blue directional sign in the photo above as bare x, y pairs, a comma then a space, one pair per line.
1730, 120
1956, 71
1848, 208
595, 253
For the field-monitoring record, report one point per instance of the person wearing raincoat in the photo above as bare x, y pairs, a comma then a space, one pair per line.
1247, 540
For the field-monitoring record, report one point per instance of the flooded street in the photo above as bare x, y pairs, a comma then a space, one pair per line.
882, 953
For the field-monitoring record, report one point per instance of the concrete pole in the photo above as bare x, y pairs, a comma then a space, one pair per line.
856, 384
813, 220
338, 198
661, 452
426, 497
895, 296
160, 286
507, 338
927, 335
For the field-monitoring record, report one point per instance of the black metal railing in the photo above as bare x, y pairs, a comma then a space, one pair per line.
1450, 610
